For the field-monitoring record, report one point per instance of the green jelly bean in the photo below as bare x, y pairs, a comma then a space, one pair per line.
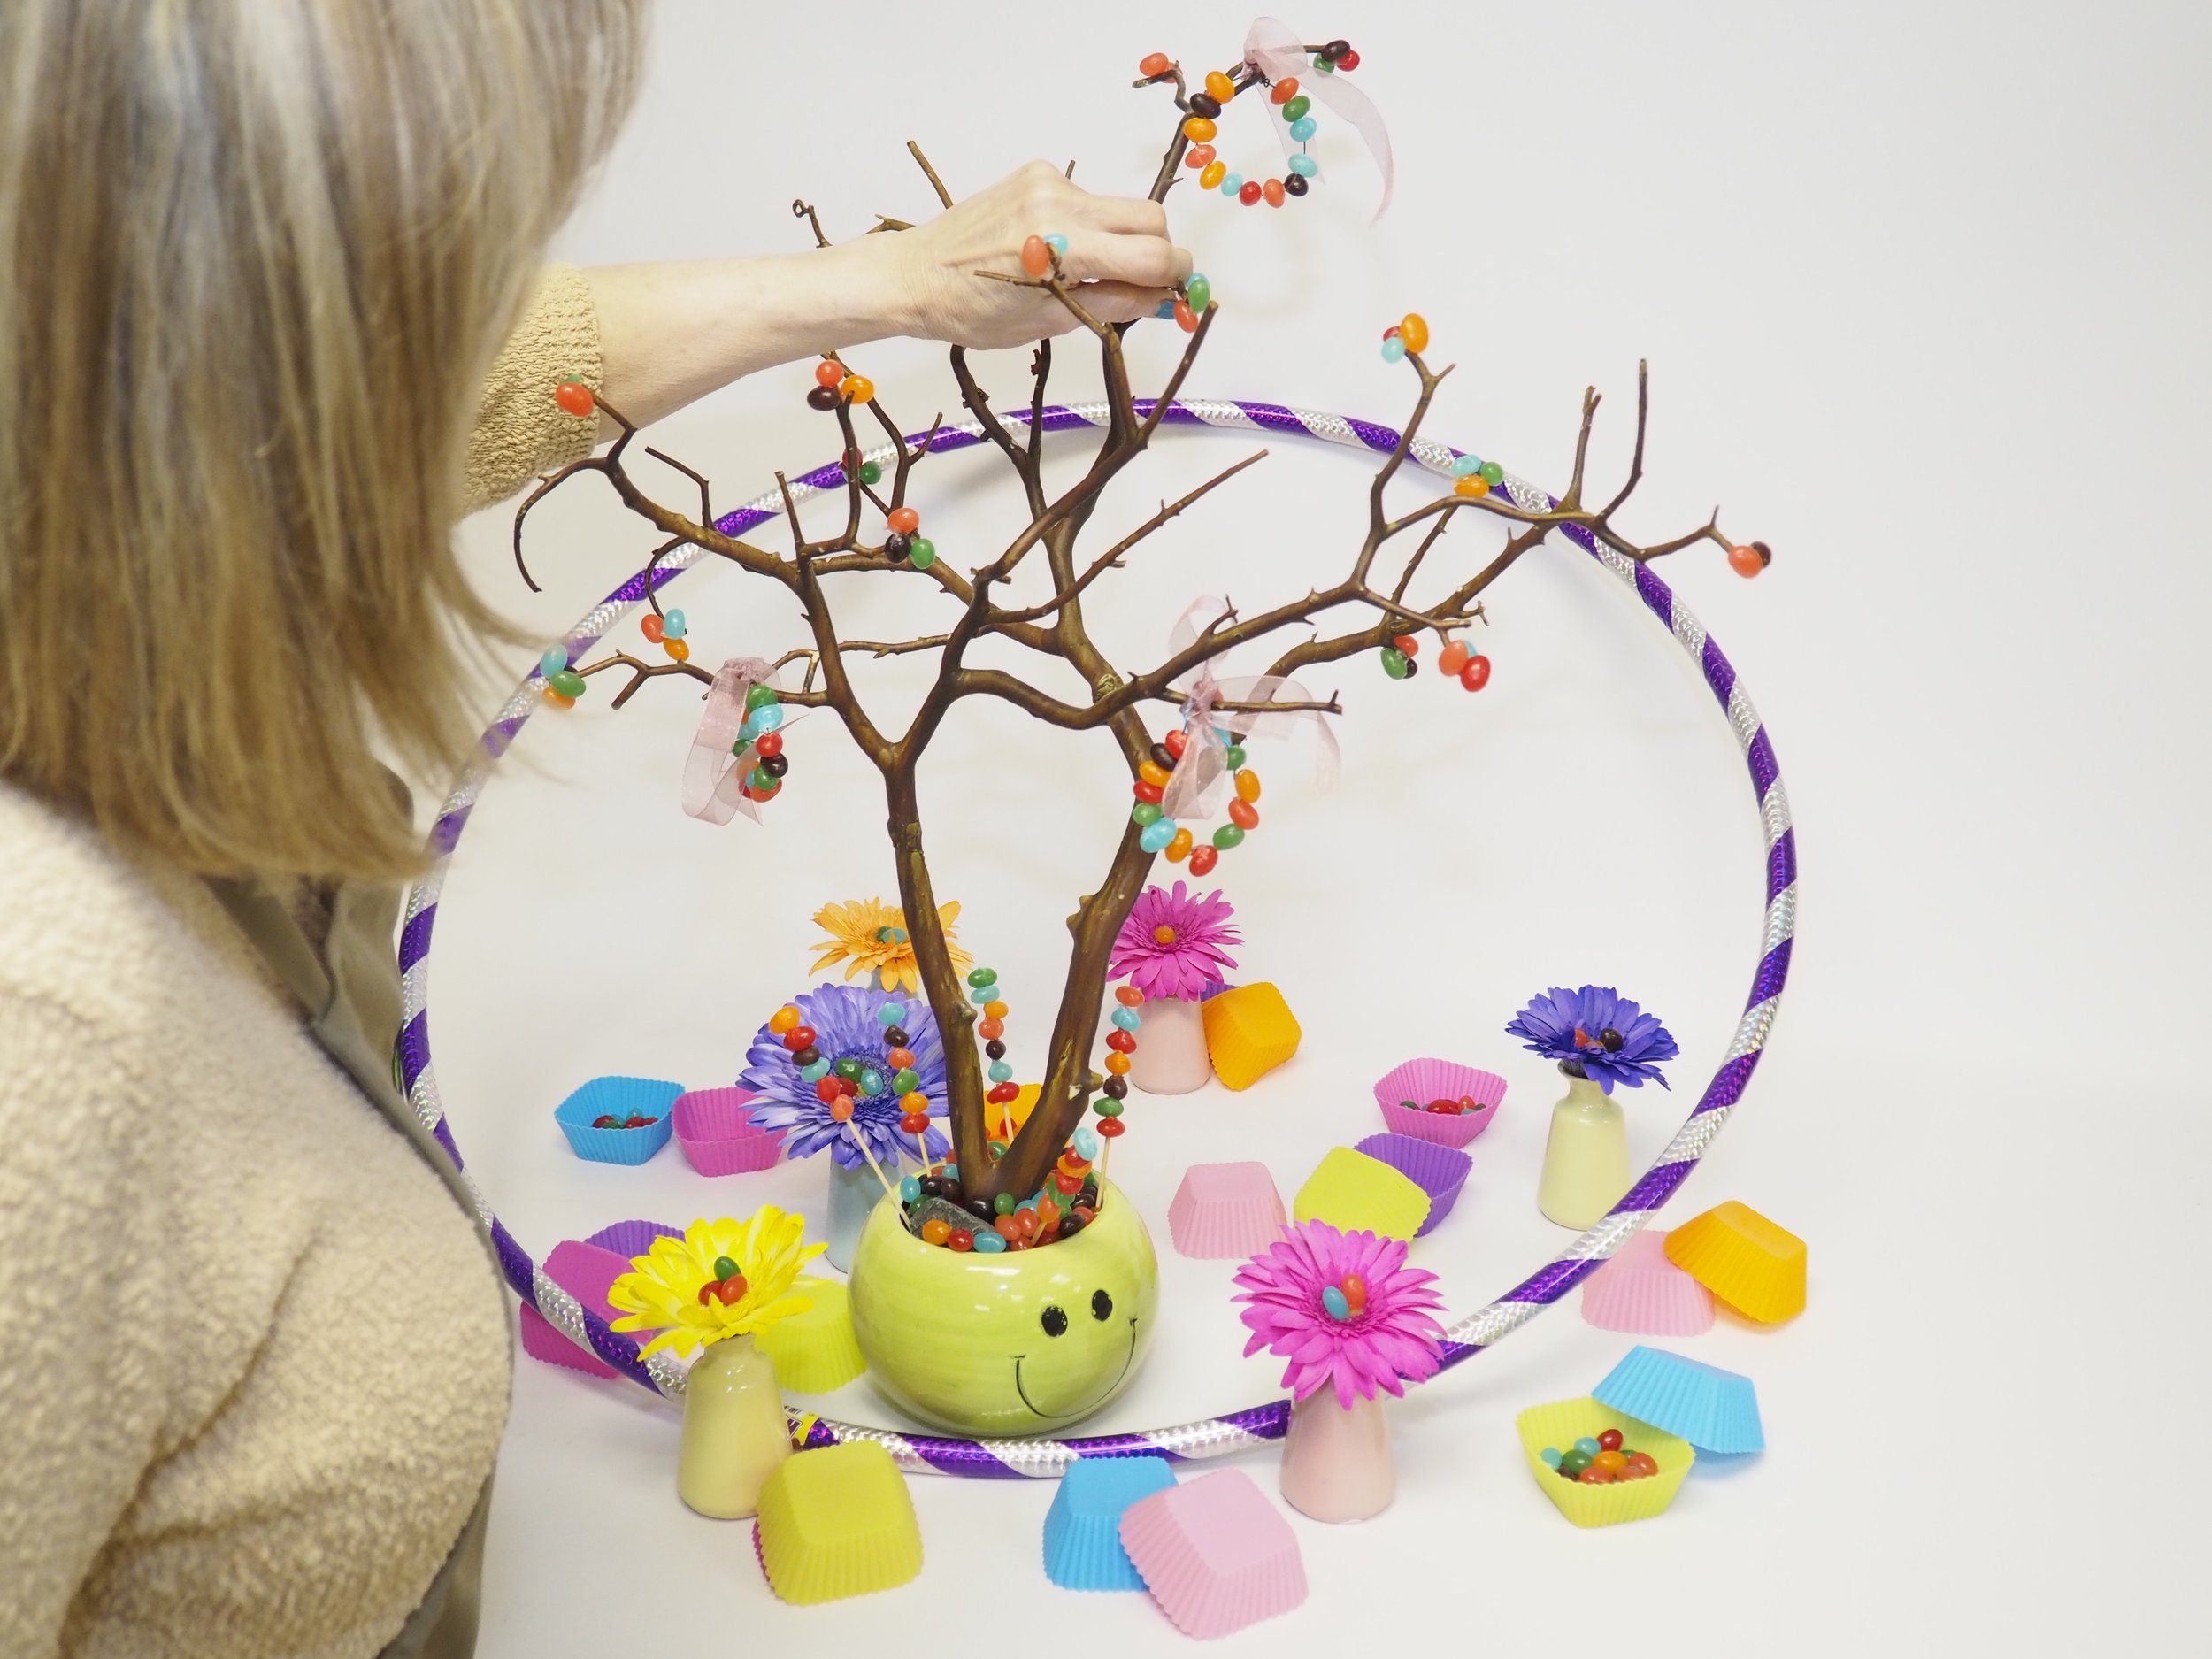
1234, 756
1296, 108
1145, 812
762, 698
1393, 662
1227, 836
921, 552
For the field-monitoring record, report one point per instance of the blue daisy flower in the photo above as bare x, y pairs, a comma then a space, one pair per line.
1595, 1032
844, 1019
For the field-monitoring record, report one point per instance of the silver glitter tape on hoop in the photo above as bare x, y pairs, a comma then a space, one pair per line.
1259, 1424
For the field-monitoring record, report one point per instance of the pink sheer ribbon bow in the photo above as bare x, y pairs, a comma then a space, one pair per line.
1271, 49
714, 772
1194, 790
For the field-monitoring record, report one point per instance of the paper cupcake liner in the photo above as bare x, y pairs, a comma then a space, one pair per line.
621, 1096
1747, 1261
816, 1352
1351, 1191
715, 1128
1714, 1410
1225, 1211
1423, 1080
1218, 1562
1564, 1421
1642, 1293
630, 1240
1249, 1031
1082, 1541
858, 1540
1438, 1171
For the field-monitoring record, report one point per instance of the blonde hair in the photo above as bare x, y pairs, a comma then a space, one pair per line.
259, 254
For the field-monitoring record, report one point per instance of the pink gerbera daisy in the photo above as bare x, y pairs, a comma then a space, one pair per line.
1170, 943
1341, 1308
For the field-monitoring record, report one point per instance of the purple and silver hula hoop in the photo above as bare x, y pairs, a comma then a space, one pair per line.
1211, 1437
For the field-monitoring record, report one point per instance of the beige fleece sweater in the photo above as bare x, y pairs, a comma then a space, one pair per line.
256, 1358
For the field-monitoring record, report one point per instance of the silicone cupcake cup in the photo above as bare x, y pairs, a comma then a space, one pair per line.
1438, 1171
1642, 1293
840, 1528
1747, 1261
1216, 1554
621, 1097
1083, 1528
1714, 1410
1564, 1421
816, 1351
1354, 1193
1421, 1082
715, 1128
585, 1272
1225, 1211
630, 1240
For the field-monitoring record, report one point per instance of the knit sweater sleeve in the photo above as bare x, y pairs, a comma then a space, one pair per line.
84, 1390
521, 430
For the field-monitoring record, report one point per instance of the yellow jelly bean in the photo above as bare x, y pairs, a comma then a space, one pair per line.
1219, 87
1247, 785
1413, 328
783, 1019
1199, 130
1214, 173
1178, 848
1156, 776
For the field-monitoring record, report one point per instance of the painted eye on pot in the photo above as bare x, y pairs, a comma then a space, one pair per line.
1055, 1322
1101, 1305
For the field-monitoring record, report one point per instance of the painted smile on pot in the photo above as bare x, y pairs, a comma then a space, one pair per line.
1076, 1411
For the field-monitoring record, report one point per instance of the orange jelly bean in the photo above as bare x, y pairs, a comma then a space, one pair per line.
858, 387
1611, 1461
677, 650
828, 372
991, 1028
995, 1010
1286, 89
1452, 658
1591, 1477
899, 1059
1117, 1063
1643, 1464
913, 1104
1129, 996
783, 1019
1198, 156
905, 520
1154, 63
1273, 191
1244, 815
1199, 130
1154, 775
1247, 785
938, 1230
1219, 87
1215, 173
1474, 487
1179, 846
1036, 257
1413, 328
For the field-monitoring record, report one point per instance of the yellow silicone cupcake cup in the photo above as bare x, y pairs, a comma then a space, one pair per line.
816, 1351
1562, 1422
1745, 1260
1354, 1193
838, 1521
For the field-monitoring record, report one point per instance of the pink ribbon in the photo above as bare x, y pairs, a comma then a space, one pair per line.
1194, 790
714, 772
1271, 49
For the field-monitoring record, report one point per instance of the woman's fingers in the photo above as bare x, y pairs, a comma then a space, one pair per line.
1143, 261
1123, 302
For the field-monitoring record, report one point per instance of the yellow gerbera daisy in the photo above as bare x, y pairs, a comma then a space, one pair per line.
870, 936
661, 1290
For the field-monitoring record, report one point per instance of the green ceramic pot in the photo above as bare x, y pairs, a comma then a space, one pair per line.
1019, 1344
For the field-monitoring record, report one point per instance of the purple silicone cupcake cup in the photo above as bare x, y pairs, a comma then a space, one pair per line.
1438, 1171
630, 1240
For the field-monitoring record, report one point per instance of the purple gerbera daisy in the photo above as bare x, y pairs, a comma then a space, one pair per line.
1169, 943
1595, 1032
1342, 1308
847, 1026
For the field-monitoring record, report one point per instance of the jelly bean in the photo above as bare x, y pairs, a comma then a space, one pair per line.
870, 473
1334, 1304
1550, 1455
961, 1239
1453, 658
724, 1267
553, 662
1198, 289
1212, 175
1152, 774
1219, 86
1128, 1019
1575, 1461
1355, 1293
650, 625
1231, 184
1394, 349
1588, 1447
1202, 858
783, 1019
1244, 815
575, 397
1302, 128
1186, 319
921, 552
900, 1060
871, 1084
1198, 155
1273, 191
1476, 675
1611, 1461
1176, 742
1595, 1477
915, 1123
890, 1014
828, 373
1413, 328
799, 1037
1157, 834
1178, 848
936, 1230
1643, 1463
822, 397
1349, 60
827, 1090
1409, 644
1121, 1041
814, 1072
1118, 1070
1466, 465
848, 1068
1295, 106
1610, 1440
730, 1291
1152, 793
1056, 242
606, 1121
907, 1078
1747, 561
1153, 64
859, 388
988, 1244
992, 1028
1247, 786
1086, 1143
995, 1010
1199, 130
1250, 193
1069, 1185
760, 720
568, 683
1129, 996
910, 1189
905, 520
1470, 488
1284, 90
1000, 1071
1492, 475
1304, 167
1324, 64
1110, 1107
1036, 257
1393, 662
1232, 758
1146, 813
981, 977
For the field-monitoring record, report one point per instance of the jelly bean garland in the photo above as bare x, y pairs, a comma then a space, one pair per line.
1160, 834
1600, 1461
836, 386
1291, 106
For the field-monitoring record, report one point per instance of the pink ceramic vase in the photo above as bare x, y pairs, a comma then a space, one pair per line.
1336, 1459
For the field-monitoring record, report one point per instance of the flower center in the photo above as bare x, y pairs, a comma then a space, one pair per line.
1165, 935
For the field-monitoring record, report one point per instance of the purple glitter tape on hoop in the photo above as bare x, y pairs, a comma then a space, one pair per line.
1213, 1436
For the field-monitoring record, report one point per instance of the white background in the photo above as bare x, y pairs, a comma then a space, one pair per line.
1923, 291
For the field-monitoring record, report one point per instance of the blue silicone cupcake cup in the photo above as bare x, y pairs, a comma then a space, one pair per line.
1083, 1548
1438, 1171
1715, 1410
621, 1097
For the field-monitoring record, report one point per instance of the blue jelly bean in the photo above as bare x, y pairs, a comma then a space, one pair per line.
673, 624
1550, 1455
1232, 183
815, 1072
1333, 1300
1157, 834
988, 993
889, 1015
1001, 1072
1466, 465
762, 720
554, 660
951, 1171
1305, 166
1394, 349
988, 1241
871, 1082
1056, 242
910, 1190
1167, 308
898, 936
1302, 128
1085, 1142
1128, 1019
1588, 1447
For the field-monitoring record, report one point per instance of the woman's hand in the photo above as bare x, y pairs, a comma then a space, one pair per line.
1117, 249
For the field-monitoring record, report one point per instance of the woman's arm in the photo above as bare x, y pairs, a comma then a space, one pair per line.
671, 333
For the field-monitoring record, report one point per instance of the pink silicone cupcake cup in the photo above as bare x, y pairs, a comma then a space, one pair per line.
1641, 1292
1225, 1211
1438, 1171
715, 1128
1421, 1082
586, 1271
1215, 1554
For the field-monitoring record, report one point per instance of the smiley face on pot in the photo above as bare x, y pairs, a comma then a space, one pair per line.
1024, 1343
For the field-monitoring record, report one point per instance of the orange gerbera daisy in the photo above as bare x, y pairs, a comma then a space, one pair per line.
870, 936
